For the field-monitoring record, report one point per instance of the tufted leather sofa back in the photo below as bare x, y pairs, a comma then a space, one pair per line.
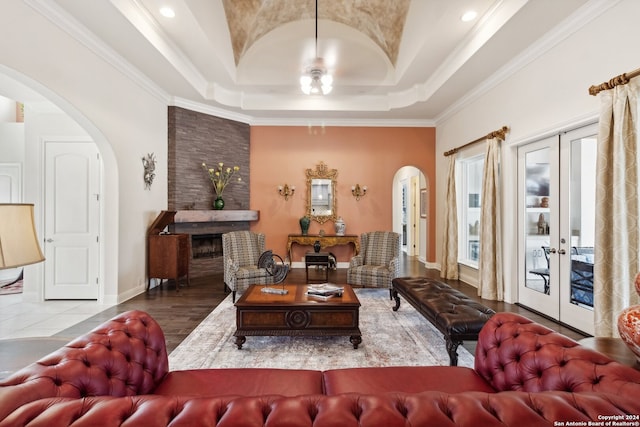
122, 357
428, 409
514, 353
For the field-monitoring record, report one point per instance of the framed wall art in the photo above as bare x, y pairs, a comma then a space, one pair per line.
423, 203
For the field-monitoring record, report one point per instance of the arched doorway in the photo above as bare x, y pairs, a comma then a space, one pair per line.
50, 107
410, 220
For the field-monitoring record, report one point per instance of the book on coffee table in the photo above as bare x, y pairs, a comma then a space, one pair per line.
324, 290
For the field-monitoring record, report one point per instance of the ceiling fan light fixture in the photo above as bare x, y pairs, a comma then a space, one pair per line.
327, 84
316, 80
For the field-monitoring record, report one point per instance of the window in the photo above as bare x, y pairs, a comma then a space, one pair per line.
469, 192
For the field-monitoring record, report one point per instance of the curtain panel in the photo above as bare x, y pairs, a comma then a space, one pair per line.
449, 262
490, 285
617, 233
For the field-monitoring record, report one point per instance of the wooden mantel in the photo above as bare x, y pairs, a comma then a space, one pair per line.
216, 216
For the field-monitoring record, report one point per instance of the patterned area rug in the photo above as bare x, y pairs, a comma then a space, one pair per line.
402, 338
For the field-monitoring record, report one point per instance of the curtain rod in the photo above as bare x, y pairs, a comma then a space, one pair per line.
622, 79
500, 134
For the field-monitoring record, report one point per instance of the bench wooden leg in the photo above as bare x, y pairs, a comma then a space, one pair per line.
394, 294
452, 349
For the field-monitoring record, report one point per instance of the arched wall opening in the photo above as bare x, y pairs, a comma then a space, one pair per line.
39, 99
410, 195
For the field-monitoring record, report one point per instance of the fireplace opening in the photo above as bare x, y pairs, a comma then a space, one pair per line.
206, 245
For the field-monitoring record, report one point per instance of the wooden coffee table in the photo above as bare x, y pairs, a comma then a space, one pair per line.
295, 314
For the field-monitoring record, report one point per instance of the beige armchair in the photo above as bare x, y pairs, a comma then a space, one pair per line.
241, 251
378, 261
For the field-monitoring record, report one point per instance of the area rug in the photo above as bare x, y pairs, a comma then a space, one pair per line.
402, 338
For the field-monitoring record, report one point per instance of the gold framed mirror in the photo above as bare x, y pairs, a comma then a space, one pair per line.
321, 193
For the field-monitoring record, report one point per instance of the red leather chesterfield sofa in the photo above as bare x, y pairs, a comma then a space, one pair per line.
525, 375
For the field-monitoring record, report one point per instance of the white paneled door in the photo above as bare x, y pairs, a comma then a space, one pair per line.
556, 182
72, 210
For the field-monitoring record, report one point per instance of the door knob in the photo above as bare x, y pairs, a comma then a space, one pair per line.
562, 252
49, 240
552, 250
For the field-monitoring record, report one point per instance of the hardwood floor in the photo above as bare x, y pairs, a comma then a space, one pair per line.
180, 311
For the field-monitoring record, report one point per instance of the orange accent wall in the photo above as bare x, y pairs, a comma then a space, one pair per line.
362, 155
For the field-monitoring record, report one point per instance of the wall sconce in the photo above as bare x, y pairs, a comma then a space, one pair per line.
149, 164
358, 192
286, 191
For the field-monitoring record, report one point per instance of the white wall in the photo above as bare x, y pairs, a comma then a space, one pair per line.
124, 120
550, 93
7, 110
12, 143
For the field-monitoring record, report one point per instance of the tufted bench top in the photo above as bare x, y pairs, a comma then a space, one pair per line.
453, 313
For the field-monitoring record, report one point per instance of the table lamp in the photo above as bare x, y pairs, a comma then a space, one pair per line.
18, 240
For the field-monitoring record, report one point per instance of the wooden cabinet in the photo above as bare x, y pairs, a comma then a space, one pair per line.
168, 254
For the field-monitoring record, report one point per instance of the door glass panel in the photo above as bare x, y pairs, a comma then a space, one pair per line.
536, 221
583, 161
469, 243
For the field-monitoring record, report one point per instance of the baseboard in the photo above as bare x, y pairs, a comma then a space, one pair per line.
127, 295
432, 265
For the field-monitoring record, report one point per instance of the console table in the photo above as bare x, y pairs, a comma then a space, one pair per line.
325, 241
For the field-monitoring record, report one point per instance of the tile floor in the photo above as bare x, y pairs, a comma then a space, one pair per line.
24, 320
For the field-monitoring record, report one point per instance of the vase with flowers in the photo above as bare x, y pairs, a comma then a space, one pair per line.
220, 177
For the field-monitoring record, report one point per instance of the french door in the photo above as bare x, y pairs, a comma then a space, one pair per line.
556, 211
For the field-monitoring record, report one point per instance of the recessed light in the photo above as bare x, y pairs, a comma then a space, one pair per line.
469, 16
167, 12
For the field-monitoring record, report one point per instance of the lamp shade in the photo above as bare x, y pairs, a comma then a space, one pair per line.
18, 240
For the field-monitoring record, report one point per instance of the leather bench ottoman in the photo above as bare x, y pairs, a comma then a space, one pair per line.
454, 314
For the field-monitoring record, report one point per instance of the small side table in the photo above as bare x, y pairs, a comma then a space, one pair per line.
320, 259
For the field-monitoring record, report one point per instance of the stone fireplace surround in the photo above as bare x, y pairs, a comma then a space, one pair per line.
194, 138
210, 223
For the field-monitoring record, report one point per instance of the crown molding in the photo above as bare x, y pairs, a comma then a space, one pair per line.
310, 122
210, 110
569, 26
315, 122
59, 17
140, 18
484, 29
